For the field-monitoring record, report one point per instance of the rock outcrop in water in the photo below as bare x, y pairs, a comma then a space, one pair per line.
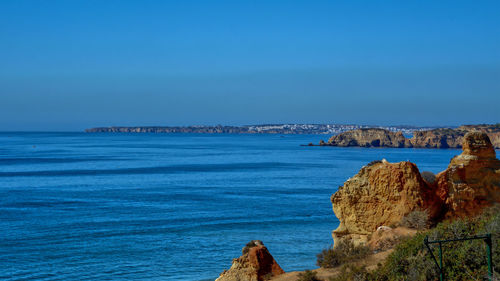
255, 264
437, 138
453, 138
383, 193
369, 138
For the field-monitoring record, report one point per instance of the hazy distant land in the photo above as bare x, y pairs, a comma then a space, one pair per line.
256, 129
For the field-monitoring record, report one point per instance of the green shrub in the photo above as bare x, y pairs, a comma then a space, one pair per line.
308, 275
464, 260
344, 252
416, 219
353, 273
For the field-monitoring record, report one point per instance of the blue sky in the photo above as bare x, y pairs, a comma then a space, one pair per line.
69, 65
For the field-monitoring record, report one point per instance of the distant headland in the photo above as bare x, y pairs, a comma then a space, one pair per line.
256, 129
434, 138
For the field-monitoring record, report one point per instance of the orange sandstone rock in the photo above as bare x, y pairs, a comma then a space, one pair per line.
472, 180
382, 193
255, 264
372, 137
436, 138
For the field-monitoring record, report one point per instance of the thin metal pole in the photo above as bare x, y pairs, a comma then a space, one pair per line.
489, 247
488, 253
441, 274
426, 240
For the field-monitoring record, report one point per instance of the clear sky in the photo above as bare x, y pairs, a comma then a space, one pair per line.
69, 65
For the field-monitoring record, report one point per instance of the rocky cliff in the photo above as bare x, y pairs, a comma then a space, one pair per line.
383, 193
369, 138
380, 195
437, 138
472, 179
255, 264
453, 138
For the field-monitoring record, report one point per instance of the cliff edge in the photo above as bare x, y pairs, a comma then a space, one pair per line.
370, 138
382, 193
472, 179
437, 138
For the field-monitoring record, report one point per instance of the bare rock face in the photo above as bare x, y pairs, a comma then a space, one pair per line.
255, 264
478, 146
436, 138
370, 138
472, 180
382, 193
495, 139
493, 132
453, 138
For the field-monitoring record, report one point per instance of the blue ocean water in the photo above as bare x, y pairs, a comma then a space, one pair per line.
76, 206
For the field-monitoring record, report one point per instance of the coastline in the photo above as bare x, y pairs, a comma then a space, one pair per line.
389, 204
253, 129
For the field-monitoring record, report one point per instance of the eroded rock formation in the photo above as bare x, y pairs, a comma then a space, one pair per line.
472, 179
255, 264
437, 138
382, 193
453, 138
369, 138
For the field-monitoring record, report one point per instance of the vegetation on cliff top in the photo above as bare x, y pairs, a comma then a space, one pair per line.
344, 252
465, 260
308, 275
417, 220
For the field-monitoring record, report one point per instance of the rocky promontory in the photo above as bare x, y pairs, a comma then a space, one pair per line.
255, 264
436, 138
369, 138
382, 193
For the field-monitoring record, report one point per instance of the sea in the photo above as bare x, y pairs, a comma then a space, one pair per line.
83, 206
